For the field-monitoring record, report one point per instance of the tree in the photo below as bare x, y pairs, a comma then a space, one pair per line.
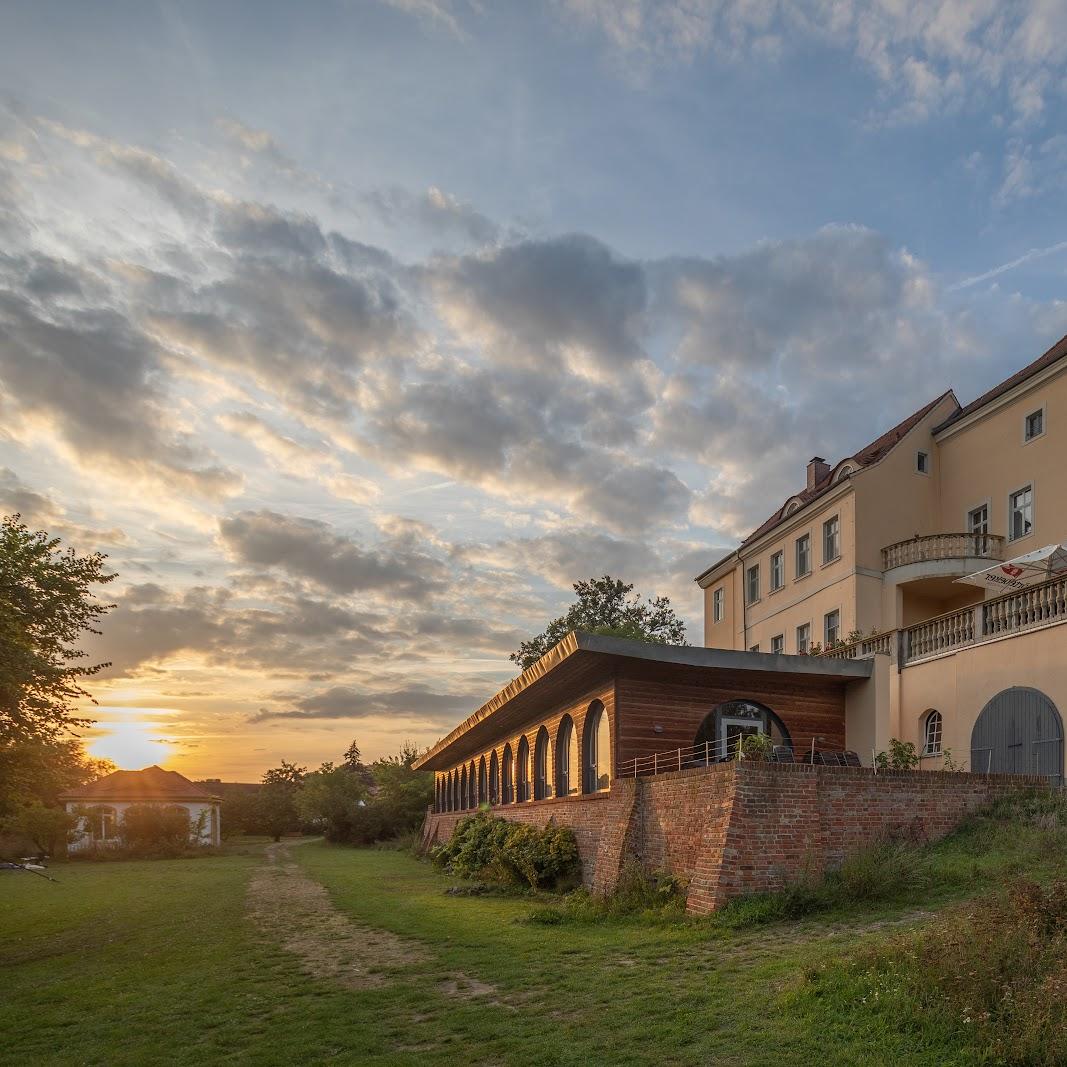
47, 604
156, 828
333, 800
42, 770
276, 801
402, 793
604, 606
50, 829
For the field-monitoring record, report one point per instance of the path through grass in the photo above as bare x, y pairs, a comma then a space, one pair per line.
177, 962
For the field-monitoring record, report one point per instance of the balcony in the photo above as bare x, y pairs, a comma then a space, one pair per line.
943, 548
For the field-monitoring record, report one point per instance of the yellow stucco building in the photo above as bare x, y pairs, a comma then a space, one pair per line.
863, 561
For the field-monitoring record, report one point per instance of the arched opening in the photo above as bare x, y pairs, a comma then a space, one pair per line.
483, 783
568, 766
472, 785
463, 789
542, 766
494, 779
508, 775
1019, 732
725, 728
522, 770
453, 800
932, 731
596, 744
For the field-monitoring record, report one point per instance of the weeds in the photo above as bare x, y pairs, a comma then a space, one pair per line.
651, 897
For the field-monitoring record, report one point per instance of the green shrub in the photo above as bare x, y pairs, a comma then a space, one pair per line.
653, 897
510, 853
156, 829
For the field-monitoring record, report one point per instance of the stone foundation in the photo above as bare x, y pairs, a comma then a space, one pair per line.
739, 828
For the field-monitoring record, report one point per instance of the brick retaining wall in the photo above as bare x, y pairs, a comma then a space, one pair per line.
737, 828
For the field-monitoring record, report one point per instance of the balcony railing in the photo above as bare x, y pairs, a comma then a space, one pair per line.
1015, 613
943, 546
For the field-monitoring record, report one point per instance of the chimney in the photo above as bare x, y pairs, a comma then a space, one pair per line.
818, 469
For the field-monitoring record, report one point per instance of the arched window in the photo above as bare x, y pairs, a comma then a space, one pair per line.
436, 792
463, 794
453, 800
508, 775
568, 767
597, 747
483, 783
729, 724
522, 770
932, 727
542, 766
494, 779
472, 785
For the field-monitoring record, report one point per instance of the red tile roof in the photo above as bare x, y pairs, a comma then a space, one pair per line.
152, 783
872, 453
1056, 352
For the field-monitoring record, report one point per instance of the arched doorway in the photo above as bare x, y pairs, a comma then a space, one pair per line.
730, 723
1019, 732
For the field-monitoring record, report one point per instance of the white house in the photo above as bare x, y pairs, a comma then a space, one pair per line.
103, 802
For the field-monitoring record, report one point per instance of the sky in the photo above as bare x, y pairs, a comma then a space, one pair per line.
355, 332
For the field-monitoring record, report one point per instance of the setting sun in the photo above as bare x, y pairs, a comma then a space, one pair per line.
129, 742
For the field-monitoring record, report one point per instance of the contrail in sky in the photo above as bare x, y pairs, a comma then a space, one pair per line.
1034, 253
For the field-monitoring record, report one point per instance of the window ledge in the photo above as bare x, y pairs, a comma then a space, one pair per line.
801, 577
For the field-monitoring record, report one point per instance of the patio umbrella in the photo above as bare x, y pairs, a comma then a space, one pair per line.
1030, 569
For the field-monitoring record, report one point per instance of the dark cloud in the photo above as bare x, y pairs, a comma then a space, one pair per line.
99, 384
570, 297
305, 548
344, 702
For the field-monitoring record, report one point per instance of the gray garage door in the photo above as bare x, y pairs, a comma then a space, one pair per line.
1019, 732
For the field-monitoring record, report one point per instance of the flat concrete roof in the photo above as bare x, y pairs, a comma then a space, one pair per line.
579, 655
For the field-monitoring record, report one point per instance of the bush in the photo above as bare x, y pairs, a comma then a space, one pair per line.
658, 897
49, 830
510, 853
157, 829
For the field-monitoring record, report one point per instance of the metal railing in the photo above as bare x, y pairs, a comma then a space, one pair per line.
943, 546
1013, 613
725, 750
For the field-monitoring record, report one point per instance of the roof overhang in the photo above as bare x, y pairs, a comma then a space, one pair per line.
580, 660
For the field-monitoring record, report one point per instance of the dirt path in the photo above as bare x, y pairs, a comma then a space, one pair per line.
296, 912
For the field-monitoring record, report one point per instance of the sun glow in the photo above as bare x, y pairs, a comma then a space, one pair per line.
131, 743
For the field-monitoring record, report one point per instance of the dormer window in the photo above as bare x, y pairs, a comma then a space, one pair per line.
793, 505
845, 471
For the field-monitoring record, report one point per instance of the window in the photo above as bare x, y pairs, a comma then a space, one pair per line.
932, 734
483, 783
542, 766
597, 749
978, 520
508, 776
752, 584
1034, 424
463, 789
472, 785
718, 605
494, 779
831, 628
778, 644
803, 555
1020, 513
522, 771
803, 638
754, 648
922, 462
831, 539
777, 571
567, 763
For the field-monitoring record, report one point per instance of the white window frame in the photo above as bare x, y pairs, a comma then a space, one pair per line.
777, 575
970, 511
928, 749
718, 604
1029, 487
837, 539
1044, 424
778, 645
803, 644
826, 629
922, 462
796, 554
749, 598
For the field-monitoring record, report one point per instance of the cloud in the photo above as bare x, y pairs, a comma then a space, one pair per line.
344, 702
435, 210
308, 549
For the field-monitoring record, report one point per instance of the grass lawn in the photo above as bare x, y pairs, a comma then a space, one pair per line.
160, 962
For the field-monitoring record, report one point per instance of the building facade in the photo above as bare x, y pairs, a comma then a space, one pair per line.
863, 561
